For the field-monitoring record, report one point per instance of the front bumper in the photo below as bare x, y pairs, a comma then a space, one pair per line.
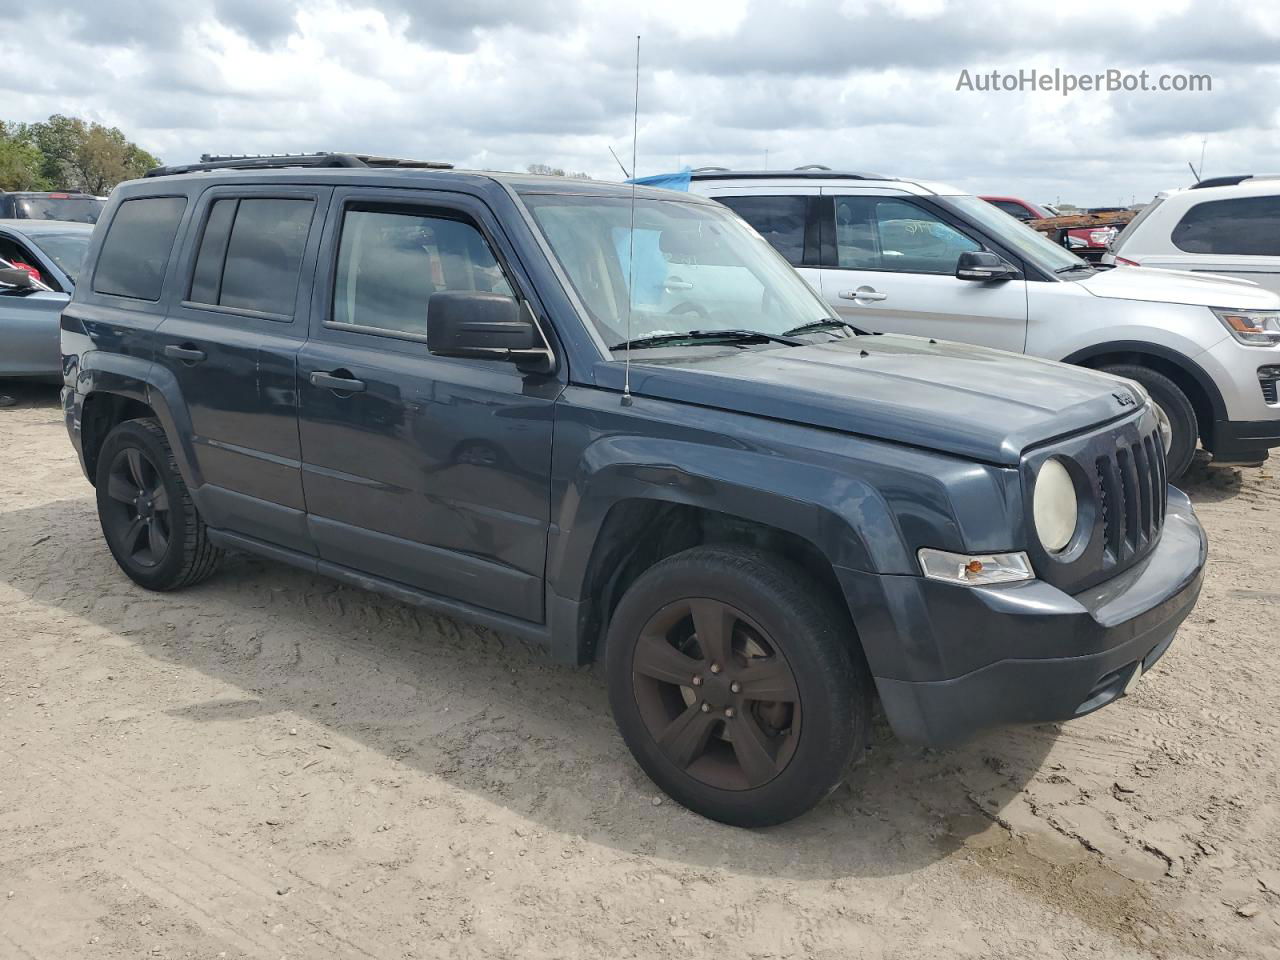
973, 658
1244, 441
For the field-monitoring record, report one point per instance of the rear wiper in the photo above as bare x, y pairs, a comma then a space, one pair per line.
724, 336
825, 324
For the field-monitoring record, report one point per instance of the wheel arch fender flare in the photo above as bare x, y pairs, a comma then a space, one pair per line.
840, 515
141, 380
1139, 348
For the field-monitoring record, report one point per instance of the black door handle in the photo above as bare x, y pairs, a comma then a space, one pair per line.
187, 353
340, 381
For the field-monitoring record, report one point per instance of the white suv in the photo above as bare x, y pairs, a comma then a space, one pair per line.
906, 256
1225, 225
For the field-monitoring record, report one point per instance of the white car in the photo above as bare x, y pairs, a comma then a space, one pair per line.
907, 256
1228, 226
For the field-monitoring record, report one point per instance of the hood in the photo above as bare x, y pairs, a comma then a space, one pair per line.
1179, 286
980, 404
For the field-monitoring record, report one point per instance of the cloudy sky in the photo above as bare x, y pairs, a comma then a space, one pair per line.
858, 84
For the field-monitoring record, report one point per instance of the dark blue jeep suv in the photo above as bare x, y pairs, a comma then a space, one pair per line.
617, 423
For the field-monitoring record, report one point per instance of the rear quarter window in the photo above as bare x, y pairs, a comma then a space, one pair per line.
1241, 226
136, 250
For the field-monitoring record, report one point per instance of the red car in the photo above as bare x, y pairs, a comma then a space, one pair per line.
1016, 207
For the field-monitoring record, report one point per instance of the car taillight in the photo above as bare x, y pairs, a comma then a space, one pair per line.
60, 196
1127, 262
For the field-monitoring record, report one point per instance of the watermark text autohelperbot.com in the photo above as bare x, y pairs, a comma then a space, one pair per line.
1066, 83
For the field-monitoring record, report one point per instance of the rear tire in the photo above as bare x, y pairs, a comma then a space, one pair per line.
149, 521
1181, 414
782, 699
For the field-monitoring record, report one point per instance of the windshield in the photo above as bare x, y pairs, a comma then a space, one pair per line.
697, 267
1015, 235
74, 209
67, 250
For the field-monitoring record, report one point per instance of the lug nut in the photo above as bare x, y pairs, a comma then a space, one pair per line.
697, 681
736, 687
706, 708
728, 712
715, 668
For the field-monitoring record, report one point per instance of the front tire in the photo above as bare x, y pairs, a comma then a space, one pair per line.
149, 521
736, 684
1178, 414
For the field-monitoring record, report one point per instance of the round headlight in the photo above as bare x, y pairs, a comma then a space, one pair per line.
1054, 506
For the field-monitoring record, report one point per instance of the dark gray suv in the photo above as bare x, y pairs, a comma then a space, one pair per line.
620, 425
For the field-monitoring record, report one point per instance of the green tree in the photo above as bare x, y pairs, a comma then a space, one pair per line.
84, 156
20, 165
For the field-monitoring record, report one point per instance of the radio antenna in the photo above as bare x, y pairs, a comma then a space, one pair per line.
631, 242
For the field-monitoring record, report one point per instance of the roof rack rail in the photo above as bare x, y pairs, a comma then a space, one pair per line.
813, 171
814, 166
276, 161
1232, 180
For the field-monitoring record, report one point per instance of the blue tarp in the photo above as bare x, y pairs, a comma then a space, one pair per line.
668, 181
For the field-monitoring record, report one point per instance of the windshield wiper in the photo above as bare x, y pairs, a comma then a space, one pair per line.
1075, 266
724, 336
826, 323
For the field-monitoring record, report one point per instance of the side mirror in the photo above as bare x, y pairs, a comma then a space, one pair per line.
982, 265
15, 277
488, 326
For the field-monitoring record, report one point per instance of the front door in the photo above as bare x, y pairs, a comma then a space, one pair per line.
231, 344
894, 272
428, 471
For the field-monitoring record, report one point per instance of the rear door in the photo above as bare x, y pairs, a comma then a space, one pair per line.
231, 343
433, 472
891, 269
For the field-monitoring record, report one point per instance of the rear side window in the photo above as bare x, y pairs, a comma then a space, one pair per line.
136, 250
1243, 226
780, 220
390, 262
251, 254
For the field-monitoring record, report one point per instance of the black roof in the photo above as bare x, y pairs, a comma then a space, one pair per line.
279, 161
419, 176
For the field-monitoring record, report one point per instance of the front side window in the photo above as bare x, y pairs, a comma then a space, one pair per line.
251, 254
883, 233
779, 219
134, 255
1242, 226
391, 261
687, 266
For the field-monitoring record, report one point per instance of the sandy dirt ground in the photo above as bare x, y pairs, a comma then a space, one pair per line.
274, 766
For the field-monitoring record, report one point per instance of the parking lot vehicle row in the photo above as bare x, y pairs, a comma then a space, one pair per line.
885, 253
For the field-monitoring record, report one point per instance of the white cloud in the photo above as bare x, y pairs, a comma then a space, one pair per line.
860, 84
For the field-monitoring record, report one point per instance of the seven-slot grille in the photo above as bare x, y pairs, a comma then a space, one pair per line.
1132, 496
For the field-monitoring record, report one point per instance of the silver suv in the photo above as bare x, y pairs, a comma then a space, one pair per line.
907, 256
